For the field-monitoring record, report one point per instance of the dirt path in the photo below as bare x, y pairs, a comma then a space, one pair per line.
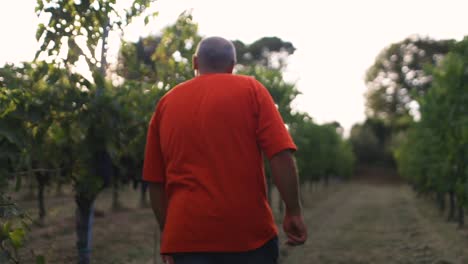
349, 223
363, 223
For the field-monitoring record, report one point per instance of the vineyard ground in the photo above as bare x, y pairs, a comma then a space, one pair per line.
363, 221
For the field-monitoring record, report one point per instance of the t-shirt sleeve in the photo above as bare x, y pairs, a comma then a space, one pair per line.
272, 135
154, 169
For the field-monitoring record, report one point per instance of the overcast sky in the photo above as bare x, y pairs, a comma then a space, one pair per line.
336, 40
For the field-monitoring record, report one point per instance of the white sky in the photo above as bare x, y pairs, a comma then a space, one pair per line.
336, 40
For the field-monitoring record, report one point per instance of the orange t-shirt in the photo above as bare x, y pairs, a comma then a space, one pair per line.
205, 143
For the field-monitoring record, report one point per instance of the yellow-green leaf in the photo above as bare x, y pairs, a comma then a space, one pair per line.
17, 237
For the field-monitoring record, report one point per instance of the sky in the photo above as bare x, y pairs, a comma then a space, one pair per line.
336, 40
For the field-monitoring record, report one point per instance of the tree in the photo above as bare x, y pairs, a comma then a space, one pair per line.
395, 82
81, 28
372, 142
270, 52
397, 77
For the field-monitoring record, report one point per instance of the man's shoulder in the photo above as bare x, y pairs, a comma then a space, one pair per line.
246, 78
250, 79
245, 81
176, 88
242, 76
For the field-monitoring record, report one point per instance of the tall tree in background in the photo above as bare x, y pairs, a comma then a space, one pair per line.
395, 82
270, 52
397, 77
372, 143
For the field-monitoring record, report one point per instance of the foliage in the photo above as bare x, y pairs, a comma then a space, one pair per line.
164, 60
82, 28
14, 225
434, 156
372, 142
395, 82
397, 77
322, 151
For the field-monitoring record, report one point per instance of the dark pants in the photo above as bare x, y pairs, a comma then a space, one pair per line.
267, 254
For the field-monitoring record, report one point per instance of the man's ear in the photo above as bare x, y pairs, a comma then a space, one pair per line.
195, 62
231, 68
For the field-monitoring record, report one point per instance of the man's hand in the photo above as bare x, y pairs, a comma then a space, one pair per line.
295, 229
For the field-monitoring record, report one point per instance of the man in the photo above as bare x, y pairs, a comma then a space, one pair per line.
204, 164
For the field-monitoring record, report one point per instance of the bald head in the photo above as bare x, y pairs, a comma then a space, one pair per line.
215, 55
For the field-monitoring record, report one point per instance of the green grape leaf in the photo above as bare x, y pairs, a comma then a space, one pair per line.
17, 237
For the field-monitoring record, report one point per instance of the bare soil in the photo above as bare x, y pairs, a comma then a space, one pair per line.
377, 223
349, 222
